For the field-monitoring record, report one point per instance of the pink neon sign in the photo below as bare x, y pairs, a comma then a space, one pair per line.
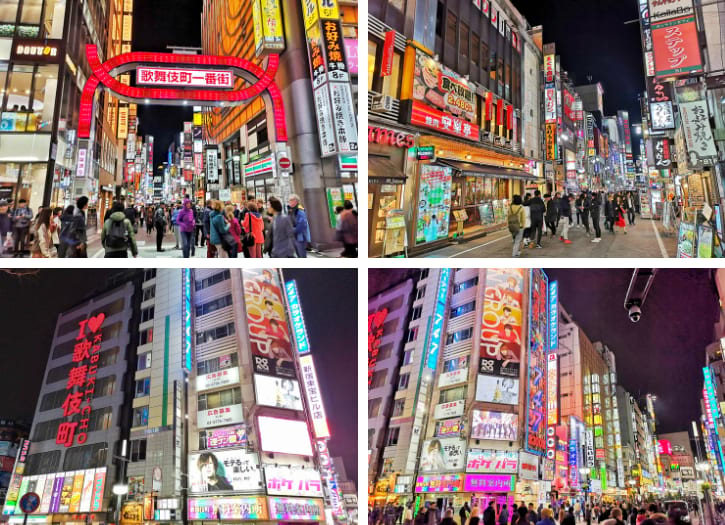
102, 73
162, 76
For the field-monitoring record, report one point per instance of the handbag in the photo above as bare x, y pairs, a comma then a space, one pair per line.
247, 237
228, 241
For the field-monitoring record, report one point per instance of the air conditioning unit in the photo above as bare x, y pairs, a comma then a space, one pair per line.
382, 103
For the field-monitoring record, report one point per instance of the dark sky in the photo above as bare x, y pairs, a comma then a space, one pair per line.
592, 39
663, 354
32, 303
159, 24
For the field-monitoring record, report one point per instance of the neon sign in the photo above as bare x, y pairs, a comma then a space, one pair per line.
298, 321
552, 399
375, 335
187, 319
553, 315
538, 317
81, 376
438, 318
314, 399
157, 76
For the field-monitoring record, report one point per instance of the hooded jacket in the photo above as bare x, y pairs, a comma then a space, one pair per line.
537, 207
217, 227
119, 216
302, 228
185, 218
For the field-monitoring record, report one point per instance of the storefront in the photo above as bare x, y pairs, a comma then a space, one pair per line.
248, 508
259, 176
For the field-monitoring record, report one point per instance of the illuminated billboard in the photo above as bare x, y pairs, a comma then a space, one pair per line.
186, 317
676, 47
437, 335
552, 393
314, 398
286, 436
224, 471
162, 76
284, 480
228, 376
296, 509
278, 392
500, 343
443, 455
296, 317
233, 436
553, 315
500, 426
535, 427
78, 491
231, 508
501, 390
492, 461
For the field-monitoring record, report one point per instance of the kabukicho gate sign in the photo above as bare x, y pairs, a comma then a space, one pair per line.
179, 80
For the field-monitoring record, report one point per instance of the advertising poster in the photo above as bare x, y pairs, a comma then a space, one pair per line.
704, 241
232, 508
500, 346
283, 480
489, 483
66, 492
443, 89
661, 147
277, 392
551, 143
676, 48
296, 509
448, 427
233, 436
502, 390
686, 240
99, 483
269, 336
224, 471
698, 135
449, 483
215, 417
434, 203
443, 455
286, 436
494, 425
536, 383
492, 461
450, 409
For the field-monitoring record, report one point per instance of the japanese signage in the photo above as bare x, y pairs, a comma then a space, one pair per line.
78, 491
443, 89
81, 382
676, 47
324, 122
333, 46
343, 117
448, 483
329, 477
552, 394
698, 135
661, 148
500, 345
448, 427
437, 335
662, 115
664, 447
292, 481
528, 466
552, 148
426, 116
268, 29
212, 165
186, 316
553, 315
502, 390
502, 426
269, 336
549, 67
450, 409
489, 483
229, 376
298, 320
296, 509
11, 497
122, 123
550, 104
224, 471
389, 137
375, 335
443, 455
434, 203
659, 91
318, 65
452, 378
278, 392
233, 436
215, 417
314, 399
234, 508
286, 436
157, 76
660, 10
37, 51
386, 66
492, 461
536, 383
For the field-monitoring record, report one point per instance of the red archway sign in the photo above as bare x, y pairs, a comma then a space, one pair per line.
261, 84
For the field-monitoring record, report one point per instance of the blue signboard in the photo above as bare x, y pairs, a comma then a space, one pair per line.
553, 315
436, 338
298, 321
186, 317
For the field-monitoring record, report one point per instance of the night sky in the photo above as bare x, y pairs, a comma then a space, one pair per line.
159, 24
592, 39
32, 303
663, 354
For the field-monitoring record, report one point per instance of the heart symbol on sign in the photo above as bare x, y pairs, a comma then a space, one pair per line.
94, 323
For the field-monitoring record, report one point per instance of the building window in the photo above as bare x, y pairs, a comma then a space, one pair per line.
457, 363
213, 306
452, 394
143, 387
143, 361
392, 438
85, 457
217, 363
463, 309
215, 333
231, 396
147, 314
464, 50
420, 293
475, 48
42, 463
374, 407
424, 273
451, 23
149, 274
460, 335
403, 381
137, 449
412, 334
398, 407
378, 379
408, 357
149, 293
146, 336
140, 416
465, 284
417, 311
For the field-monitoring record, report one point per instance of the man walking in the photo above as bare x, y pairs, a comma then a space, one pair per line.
160, 225
595, 210
21, 224
537, 207
299, 220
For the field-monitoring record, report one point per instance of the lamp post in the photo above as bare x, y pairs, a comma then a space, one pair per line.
120, 490
585, 472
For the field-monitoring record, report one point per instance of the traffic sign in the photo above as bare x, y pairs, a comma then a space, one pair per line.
29, 503
284, 163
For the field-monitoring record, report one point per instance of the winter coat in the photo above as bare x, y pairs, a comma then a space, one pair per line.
217, 227
609, 209
206, 220
22, 217
185, 219
236, 230
302, 228
489, 516
254, 223
518, 210
43, 244
565, 207
527, 217
595, 207
552, 212
5, 225
537, 207
283, 236
119, 216
348, 226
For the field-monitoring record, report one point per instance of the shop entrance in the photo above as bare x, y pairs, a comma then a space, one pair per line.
499, 500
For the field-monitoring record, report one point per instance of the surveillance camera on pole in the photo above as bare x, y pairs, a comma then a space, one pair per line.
639, 287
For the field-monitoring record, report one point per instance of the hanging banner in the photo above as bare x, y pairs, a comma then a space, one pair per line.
696, 126
661, 148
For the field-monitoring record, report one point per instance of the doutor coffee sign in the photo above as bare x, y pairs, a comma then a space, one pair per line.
390, 137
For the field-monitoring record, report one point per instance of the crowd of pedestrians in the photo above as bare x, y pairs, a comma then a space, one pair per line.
226, 230
532, 217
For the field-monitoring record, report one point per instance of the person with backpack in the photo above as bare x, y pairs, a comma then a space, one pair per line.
301, 226
117, 235
73, 237
21, 218
42, 244
160, 225
219, 235
516, 220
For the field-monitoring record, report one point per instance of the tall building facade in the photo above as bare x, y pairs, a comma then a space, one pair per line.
12, 433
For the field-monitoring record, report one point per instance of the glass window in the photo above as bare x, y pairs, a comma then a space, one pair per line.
147, 314
451, 23
408, 357
146, 336
391, 83
8, 10
463, 309
210, 281
31, 11
149, 274
231, 396
412, 334
149, 293
403, 381
452, 394
215, 333
420, 293
18, 92
417, 311
464, 42
398, 407
138, 450
374, 407
217, 363
378, 379
475, 48
393, 434
85, 457
214, 305
140, 416
53, 18
465, 284
460, 335
144, 361
143, 387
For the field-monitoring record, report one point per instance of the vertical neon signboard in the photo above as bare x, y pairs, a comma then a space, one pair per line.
536, 382
713, 415
436, 337
553, 315
186, 316
298, 321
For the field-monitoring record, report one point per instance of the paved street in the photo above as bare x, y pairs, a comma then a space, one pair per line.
644, 239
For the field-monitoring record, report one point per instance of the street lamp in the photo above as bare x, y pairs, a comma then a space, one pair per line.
585, 472
120, 490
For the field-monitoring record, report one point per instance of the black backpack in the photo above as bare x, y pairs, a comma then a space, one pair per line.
117, 237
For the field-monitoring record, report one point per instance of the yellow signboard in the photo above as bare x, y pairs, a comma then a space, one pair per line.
123, 123
329, 9
310, 12
268, 28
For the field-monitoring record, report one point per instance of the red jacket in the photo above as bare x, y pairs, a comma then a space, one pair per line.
256, 227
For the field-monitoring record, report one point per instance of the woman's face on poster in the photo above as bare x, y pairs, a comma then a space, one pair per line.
207, 469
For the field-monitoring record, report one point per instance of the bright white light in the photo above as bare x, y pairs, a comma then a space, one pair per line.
120, 490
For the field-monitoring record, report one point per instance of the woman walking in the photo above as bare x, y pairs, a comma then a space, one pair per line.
254, 225
619, 212
218, 228
283, 234
42, 246
516, 222
235, 229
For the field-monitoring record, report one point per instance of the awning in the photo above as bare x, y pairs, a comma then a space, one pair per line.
480, 170
381, 170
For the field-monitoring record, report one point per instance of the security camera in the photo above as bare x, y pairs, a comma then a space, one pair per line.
635, 313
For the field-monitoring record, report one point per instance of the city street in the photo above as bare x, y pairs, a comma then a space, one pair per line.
645, 239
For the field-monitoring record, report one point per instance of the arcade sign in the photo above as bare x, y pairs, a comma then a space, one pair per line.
159, 76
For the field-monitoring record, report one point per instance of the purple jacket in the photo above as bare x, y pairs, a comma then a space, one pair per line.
185, 219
